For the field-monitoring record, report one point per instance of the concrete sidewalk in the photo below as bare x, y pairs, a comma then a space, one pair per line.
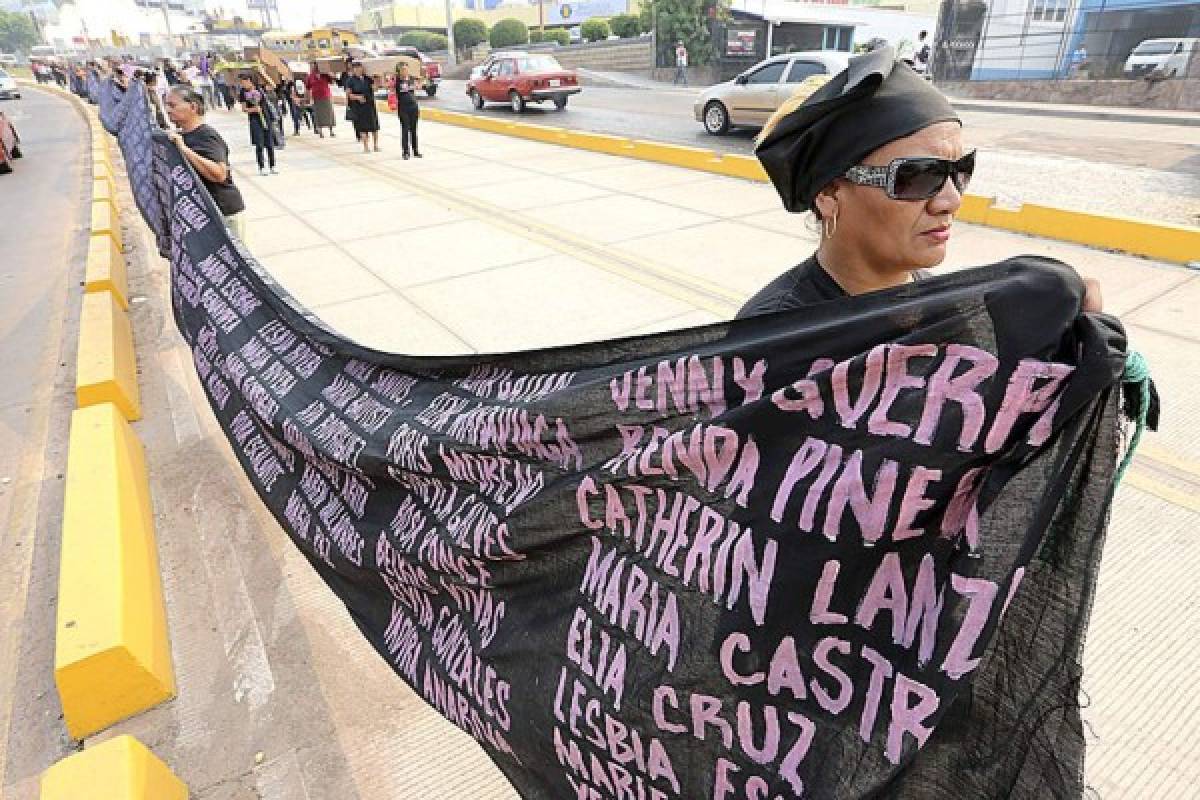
489, 244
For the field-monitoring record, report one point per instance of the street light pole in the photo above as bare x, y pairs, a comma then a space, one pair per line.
453, 59
167, 21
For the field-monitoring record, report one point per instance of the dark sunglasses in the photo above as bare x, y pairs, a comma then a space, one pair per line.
915, 178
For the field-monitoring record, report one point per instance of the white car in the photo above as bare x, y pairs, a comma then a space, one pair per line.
752, 97
8, 86
1167, 58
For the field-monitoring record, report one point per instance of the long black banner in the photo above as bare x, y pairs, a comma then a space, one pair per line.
843, 552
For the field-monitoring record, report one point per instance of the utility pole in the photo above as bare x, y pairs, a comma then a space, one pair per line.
167, 21
453, 58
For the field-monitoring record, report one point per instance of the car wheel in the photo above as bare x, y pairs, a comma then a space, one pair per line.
560, 103
430, 90
716, 118
516, 101
5, 168
477, 100
16, 151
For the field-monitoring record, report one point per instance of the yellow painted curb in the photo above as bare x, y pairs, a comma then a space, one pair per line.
1160, 240
103, 172
101, 154
105, 270
118, 769
1175, 243
112, 657
102, 193
105, 221
106, 368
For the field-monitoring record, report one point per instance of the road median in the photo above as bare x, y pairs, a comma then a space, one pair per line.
1179, 244
112, 658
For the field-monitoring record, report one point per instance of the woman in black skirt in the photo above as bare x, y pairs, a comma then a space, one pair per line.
360, 106
254, 102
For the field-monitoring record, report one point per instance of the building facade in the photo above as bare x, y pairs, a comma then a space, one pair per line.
1055, 39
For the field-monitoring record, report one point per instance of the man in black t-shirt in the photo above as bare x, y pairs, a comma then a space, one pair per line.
208, 154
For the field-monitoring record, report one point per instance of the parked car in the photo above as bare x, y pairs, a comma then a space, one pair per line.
10, 144
8, 86
752, 97
519, 78
431, 69
1167, 58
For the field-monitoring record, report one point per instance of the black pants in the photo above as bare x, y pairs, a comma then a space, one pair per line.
258, 154
408, 127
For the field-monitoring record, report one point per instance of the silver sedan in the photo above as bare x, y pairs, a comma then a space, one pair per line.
750, 98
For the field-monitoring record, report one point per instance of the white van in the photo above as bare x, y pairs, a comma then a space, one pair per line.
1167, 58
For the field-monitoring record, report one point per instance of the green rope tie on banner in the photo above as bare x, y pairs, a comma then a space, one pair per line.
1137, 371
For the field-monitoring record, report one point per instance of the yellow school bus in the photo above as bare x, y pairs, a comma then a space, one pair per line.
317, 43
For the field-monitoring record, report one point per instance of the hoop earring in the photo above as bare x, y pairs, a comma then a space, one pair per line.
830, 229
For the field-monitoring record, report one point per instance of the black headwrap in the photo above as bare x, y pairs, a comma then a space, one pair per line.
875, 100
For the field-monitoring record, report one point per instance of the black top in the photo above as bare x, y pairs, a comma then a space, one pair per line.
363, 86
207, 142
406, 93
803, 285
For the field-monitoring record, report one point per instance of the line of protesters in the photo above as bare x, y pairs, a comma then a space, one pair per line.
180, 98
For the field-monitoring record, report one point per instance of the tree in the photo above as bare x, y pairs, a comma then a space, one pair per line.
469, 32
17, 34
627, 26
687, 21
595, 30
508, 32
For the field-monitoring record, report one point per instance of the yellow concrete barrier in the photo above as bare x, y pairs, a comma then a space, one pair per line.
121, 768
105, 221
103, 172
102, 193
105, 270
106, 368
112, 657
1164, 241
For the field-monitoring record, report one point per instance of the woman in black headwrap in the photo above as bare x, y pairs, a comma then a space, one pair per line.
877, 155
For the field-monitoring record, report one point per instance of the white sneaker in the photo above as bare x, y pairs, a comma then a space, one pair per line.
262, 171
274, 171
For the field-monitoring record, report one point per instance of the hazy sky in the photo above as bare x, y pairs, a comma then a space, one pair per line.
296, 14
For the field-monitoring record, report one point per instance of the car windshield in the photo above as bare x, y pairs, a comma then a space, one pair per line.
1155, 48
538, 64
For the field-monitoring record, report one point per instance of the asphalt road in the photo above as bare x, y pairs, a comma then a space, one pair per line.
42, 247
1124, 168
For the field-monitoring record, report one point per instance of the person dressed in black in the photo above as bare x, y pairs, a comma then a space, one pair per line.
150, 78
876, 154
255, 103
407, 109
287, 102
360, 106
208, 154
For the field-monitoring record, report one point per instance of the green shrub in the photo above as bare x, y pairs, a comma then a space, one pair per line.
627, 26
469, 32
595, 30
423, 41
535, 36
558, 35
509, 32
